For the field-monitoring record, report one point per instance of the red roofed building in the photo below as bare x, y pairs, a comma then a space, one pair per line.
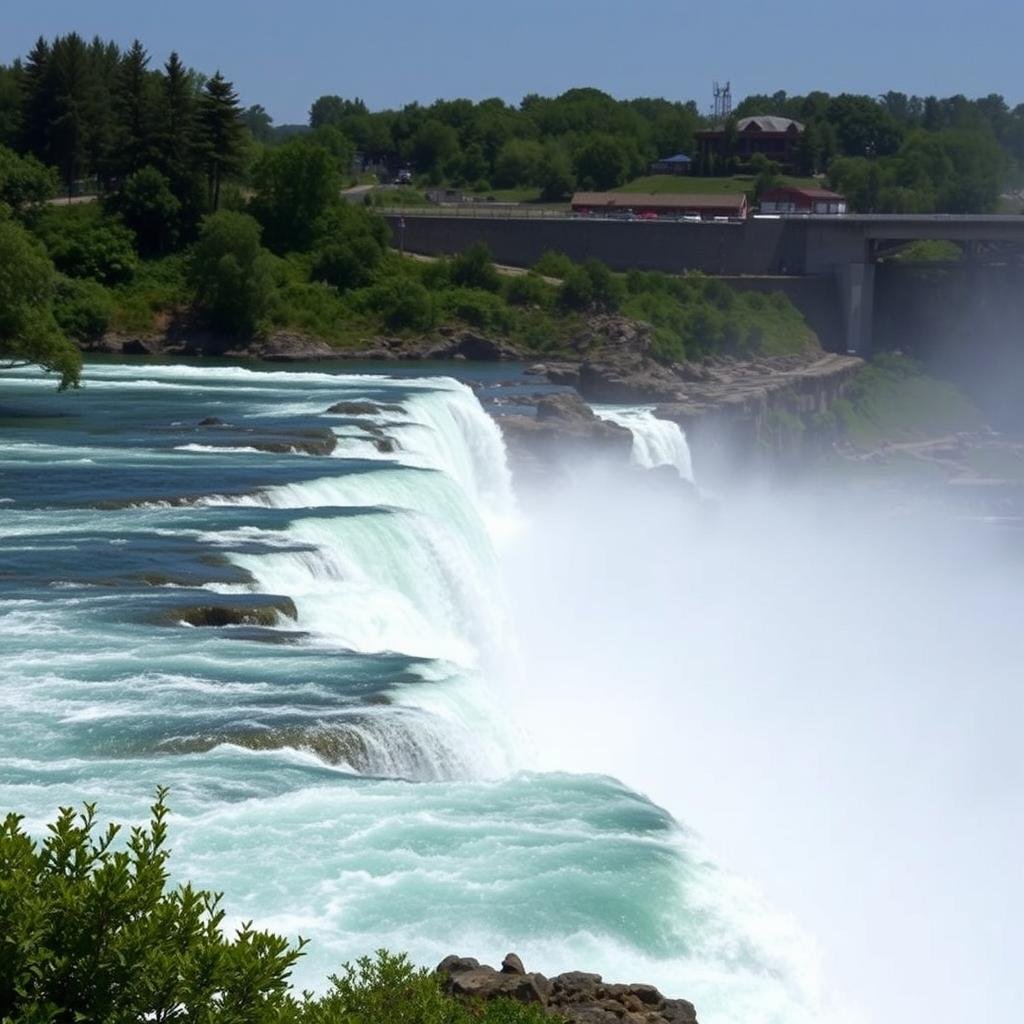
793, 199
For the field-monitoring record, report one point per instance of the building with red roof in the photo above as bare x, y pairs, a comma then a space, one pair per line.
795, 199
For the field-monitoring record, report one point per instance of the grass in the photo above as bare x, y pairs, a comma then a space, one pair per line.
893, 400
693, 185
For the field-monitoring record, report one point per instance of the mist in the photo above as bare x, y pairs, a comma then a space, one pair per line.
825, 685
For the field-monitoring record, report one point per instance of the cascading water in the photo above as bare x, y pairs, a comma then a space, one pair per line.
656, 442
359, 776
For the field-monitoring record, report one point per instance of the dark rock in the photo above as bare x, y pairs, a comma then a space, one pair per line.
647, 994
362, 408
285, 347
470, 345
487, 983
567, 407
265, 612
512, 965
456, 964
386, 445
139, 347
212, 421
567, 374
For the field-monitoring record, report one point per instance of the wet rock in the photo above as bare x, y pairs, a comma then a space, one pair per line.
385, 445
264, 612
362, 408
211, 421
470, 345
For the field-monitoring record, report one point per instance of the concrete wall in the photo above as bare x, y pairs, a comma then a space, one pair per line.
752, 247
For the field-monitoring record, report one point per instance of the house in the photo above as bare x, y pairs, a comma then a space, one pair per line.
678, 164
651, 205
776, 138
792, 199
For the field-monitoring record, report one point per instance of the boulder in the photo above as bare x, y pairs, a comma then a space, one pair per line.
211, 421
362, 408
512, 965
252, 612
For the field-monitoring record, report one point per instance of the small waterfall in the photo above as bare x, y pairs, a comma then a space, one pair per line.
656, 442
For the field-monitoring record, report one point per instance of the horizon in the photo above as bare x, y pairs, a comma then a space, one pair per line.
322, 51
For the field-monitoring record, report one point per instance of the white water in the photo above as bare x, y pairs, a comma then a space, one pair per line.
656, 442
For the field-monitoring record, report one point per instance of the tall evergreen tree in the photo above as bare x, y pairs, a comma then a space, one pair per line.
135, 111
37, 99
74, 107
221, 135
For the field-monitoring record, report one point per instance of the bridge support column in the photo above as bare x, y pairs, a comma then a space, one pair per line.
856, 282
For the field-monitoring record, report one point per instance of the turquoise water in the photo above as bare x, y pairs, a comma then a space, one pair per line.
358, 776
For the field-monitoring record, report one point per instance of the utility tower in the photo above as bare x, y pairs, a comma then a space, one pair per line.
723, 102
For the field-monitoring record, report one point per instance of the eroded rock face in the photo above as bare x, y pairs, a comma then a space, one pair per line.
575, 997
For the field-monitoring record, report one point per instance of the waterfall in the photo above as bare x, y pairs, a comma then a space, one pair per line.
656, 442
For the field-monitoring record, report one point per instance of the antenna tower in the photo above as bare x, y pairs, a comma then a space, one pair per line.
723, 102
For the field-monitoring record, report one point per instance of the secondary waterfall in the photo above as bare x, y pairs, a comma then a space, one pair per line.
656, 442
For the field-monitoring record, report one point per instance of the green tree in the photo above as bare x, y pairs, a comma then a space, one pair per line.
231, 274
28, 335
434, 145
518, 163
259, 122
555, 175
74, 107
601, 163
149, 207
221, 136
295, 184
85, 242
24, 181
136, 112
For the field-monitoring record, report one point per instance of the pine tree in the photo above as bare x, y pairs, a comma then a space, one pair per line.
74, 107
221, 134
36, 99
135, 112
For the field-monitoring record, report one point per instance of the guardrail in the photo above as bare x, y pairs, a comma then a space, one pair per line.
481, 212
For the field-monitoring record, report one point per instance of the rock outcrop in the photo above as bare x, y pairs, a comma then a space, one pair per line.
574, 997
563, 431
257, 610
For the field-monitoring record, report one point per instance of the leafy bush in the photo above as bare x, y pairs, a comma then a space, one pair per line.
476, 307
84, 242
90, 932
528, 290
84, 309
553, 264
401, 302
24, 181
591, 285
474, 268
347, 263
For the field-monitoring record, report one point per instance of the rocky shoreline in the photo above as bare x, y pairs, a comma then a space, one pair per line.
574, 997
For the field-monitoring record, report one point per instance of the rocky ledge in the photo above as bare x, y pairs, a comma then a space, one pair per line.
575, 997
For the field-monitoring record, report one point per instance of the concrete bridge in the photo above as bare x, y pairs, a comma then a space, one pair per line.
826, 263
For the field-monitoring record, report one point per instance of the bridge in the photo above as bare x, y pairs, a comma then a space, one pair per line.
828, 262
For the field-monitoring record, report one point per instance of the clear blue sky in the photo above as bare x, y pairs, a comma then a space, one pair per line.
285, 54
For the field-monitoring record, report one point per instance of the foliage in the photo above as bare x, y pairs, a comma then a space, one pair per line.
24, 181
528, 290
149, 207
28, 330
232, 275
82, 307
84, 242
295, 185
553, 264
90, 931
474, 268
590, 286
475, 307
401, 302
893, 399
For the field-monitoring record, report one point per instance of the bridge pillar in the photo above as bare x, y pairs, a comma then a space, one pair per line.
856, 282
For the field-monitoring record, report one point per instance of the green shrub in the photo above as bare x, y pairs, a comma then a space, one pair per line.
591, 285
553, 264
475, 307
84, 309
474, 268
84, 242
347, 263
150, 209
401, 302
528, 290
89, 931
